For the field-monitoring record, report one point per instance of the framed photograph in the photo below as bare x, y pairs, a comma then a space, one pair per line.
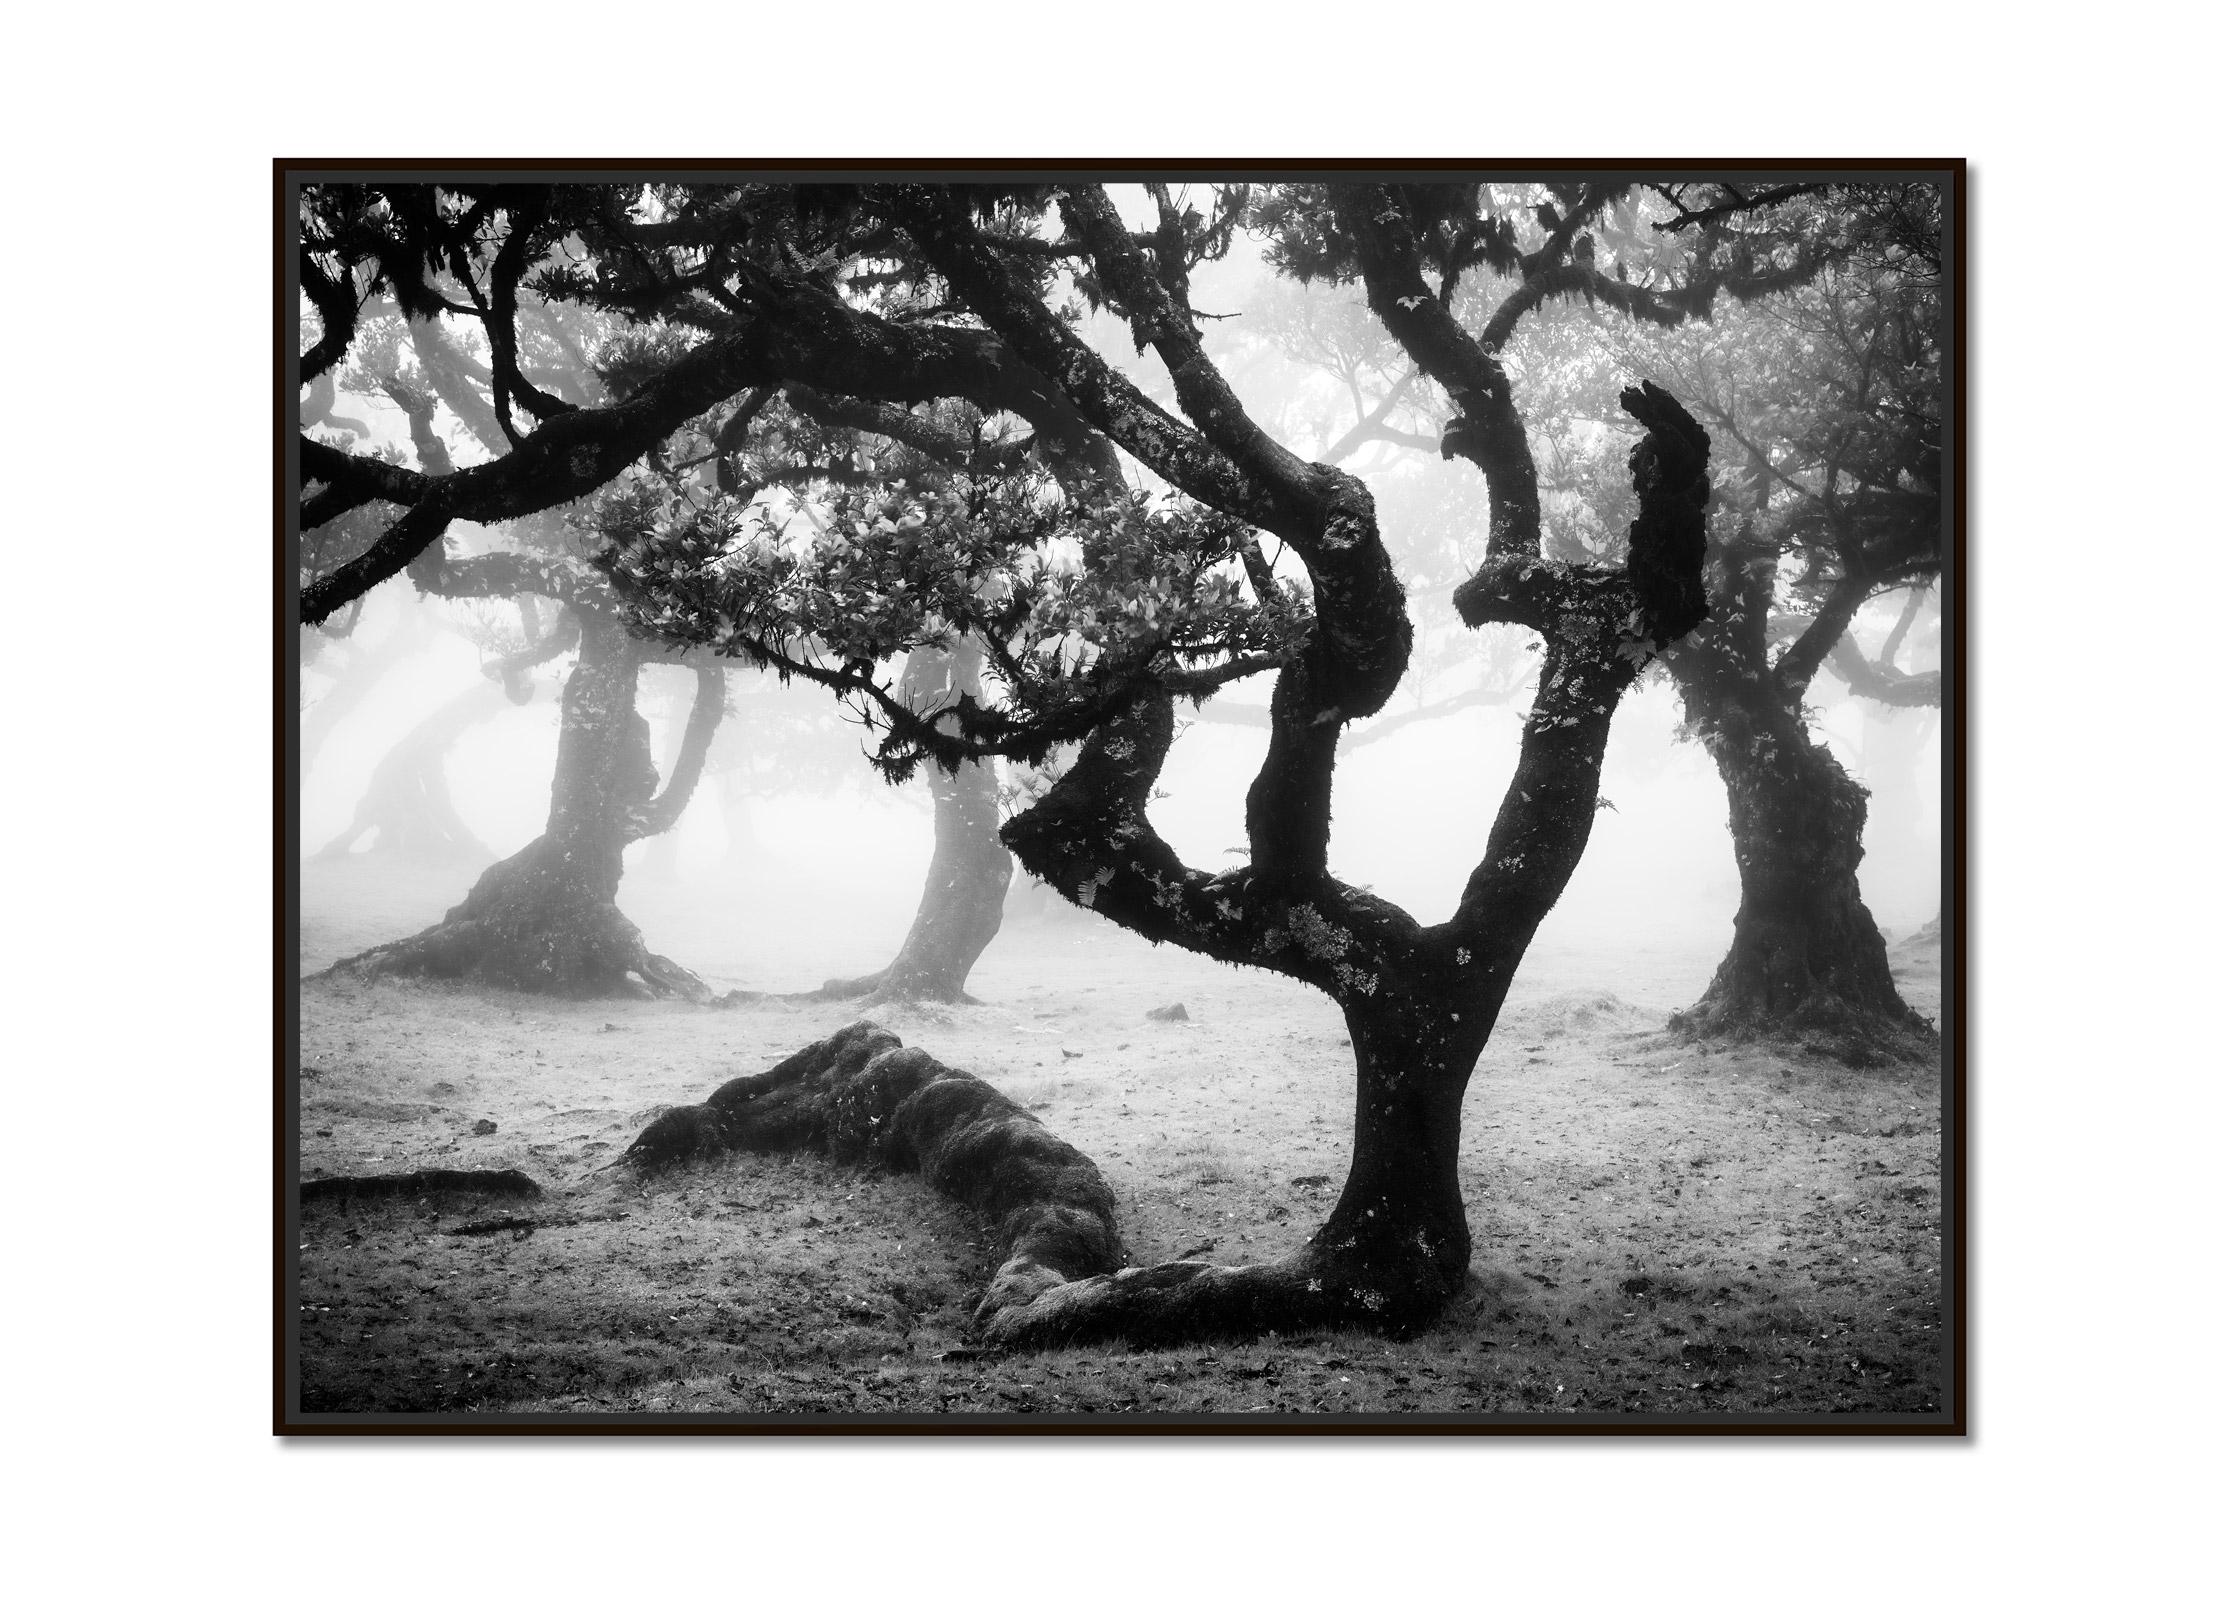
1228, 798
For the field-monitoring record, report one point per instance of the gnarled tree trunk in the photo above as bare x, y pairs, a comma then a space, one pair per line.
1807, 961
545, 918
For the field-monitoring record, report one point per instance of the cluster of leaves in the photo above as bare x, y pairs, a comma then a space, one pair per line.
1470, 231
629, 356
1076, 601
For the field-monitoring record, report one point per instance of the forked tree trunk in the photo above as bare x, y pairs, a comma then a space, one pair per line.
1807, 959
960, 910
545, 919
407, 804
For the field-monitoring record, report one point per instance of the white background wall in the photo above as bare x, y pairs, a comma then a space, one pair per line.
2103, 1099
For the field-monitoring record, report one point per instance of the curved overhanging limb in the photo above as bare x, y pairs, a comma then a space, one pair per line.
531, 923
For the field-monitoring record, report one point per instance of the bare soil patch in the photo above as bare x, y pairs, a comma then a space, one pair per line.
1659, 1227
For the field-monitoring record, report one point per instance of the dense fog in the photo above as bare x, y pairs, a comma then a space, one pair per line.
791, 823
839, 856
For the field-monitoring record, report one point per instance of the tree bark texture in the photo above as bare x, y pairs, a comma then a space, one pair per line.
1807, 958
545, 919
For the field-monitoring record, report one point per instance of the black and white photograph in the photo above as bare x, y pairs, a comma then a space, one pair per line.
1271, 798
1180, 800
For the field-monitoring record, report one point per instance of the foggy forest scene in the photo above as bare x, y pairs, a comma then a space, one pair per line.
1139, 798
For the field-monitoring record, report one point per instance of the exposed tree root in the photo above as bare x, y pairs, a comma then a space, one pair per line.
1808, 968
862, 1096
584, 963
848, 988
1189, 1302
527, 926
433, 1180
1822, 1023
544, 919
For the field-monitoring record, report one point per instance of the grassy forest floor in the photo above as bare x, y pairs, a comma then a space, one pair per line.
1659, 1227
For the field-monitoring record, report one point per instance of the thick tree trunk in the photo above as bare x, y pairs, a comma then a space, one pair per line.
545, 919
1807, 959
960, 910
1393, 1251
407, 803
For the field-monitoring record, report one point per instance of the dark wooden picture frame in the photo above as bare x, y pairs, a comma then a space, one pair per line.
1057, 1213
